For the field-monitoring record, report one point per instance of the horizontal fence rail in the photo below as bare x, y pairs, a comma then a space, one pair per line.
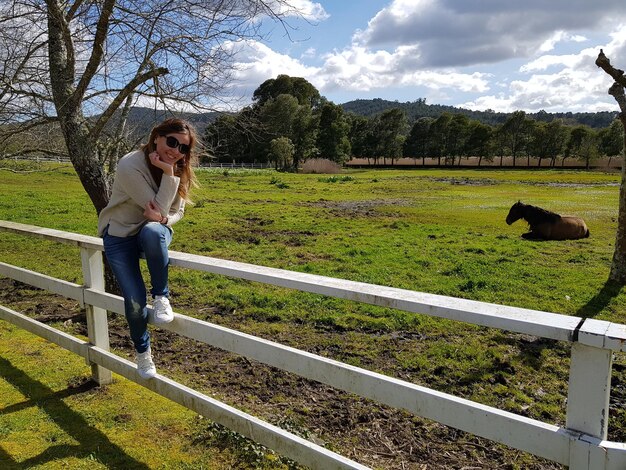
581, 444
258, 430
252, 166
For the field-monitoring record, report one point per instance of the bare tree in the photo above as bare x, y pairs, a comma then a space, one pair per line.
618, 266
78, 66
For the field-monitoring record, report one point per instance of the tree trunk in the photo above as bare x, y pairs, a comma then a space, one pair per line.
82, 152
618, 265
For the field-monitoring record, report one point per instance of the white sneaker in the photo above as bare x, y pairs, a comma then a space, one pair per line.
161, 310
145, 366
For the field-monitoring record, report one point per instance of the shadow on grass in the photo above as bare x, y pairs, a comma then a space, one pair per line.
599, 301
93, 444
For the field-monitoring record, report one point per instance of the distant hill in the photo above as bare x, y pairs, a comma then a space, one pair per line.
142, 120
419, 108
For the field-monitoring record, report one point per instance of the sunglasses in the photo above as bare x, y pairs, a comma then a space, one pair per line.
173, 143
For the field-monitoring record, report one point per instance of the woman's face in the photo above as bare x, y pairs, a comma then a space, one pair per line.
169, 147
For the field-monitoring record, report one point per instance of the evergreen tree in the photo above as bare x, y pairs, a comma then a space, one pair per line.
332, 139
417, 143
390, 129
479, 141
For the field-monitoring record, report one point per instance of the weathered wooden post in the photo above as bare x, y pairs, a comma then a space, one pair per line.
588, 402
97, 325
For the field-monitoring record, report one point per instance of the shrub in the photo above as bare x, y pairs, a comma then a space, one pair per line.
279, 184
320, 165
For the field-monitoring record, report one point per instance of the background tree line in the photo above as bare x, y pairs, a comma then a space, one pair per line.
419, 108
290, 122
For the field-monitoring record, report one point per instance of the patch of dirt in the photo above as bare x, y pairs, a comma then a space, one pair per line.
254, 230
465, 181
365, 208
488, 182
569, 185
370, 433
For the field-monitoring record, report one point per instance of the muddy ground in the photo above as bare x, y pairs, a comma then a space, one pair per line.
360, 429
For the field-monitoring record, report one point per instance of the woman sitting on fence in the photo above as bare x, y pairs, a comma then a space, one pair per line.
149, 193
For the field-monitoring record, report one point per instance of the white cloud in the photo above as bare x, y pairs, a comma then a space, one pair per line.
461, 33
309, 53
560, 36
256, 63
354, 69
576, 91
570, 61
309, 10
255, 59
415, 53
575, 84
359, 69
496, 103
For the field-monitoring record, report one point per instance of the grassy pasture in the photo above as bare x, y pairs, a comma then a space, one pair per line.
440, 231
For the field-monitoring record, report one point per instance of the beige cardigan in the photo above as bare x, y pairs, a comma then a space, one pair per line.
133, 188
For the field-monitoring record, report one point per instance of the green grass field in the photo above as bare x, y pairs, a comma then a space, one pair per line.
439, 231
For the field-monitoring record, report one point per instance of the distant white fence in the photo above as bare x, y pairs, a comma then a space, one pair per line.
581, 444
255, 166
39, 158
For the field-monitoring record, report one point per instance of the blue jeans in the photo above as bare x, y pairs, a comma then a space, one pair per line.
123, 255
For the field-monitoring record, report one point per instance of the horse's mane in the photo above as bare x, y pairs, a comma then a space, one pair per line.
536, 215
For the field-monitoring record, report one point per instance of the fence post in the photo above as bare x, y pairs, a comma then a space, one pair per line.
588, 400
97, 325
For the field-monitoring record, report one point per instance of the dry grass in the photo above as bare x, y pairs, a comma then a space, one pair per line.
320, 166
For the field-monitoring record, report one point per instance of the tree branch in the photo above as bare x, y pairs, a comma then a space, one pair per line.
123, 94
98, 49
31, 94
55, 14
72, 10
19, 68
617, 89
605, 64
23, 127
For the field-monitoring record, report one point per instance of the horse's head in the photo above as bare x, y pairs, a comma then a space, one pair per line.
515, 213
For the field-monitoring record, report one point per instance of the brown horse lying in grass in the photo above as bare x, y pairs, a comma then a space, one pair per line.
546, 225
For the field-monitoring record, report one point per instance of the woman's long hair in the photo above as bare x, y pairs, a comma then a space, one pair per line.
184, 166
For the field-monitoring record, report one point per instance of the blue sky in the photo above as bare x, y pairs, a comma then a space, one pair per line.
479, 54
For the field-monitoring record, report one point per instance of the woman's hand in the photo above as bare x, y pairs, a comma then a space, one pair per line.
156, 161
152, 212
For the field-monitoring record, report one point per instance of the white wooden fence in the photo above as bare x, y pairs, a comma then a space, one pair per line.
581, 444
246, 165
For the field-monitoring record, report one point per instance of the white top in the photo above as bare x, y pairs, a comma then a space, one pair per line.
132, 189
